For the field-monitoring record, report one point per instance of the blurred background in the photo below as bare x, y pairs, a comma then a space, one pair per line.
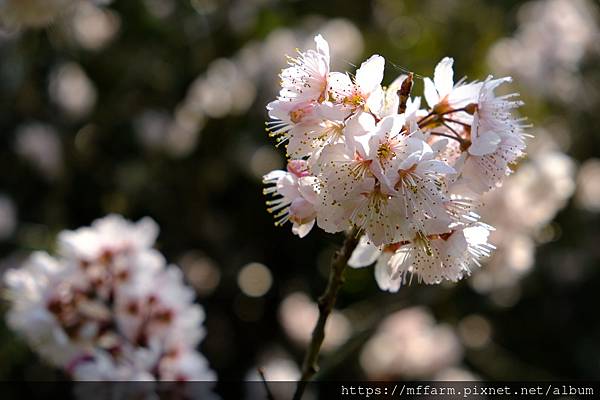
157, 108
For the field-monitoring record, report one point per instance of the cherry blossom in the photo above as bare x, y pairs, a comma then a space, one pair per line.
108, 307
296, 191
407, 177
305, 79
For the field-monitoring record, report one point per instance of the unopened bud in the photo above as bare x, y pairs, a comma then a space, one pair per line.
471, 108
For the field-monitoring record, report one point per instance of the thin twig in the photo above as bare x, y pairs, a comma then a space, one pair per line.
457, 122
453, 130
463, 109
458, 139
326, 302
426, 119
261, 372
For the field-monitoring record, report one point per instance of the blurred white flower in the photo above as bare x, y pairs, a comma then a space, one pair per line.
224, 91
539, 188
108, 237
33, 290
229, 86
298, 315
101, 367
72, 90
411, 345
109, 308
201, 272
151, 128
475, 331
40, 145
552, 39
184, 130
93, 27
255, 279
588, 185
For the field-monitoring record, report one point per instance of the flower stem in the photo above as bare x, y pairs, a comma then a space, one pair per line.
460, 140
326, 302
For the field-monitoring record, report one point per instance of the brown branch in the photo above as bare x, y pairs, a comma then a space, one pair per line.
326, 302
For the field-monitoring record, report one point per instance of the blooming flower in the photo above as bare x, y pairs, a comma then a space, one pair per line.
296, 189
364, 92
433, 259
442, 94
305, 80
485, 172
493, 118
441, 257
389, 188
496, 138
417, 181
302, 127
351, 194
297, 116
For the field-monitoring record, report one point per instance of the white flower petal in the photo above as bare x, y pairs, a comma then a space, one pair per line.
383, 275
364, 254
443, 77
370, 74
484, 143
322, 46
430, 92
303, 229
435, 166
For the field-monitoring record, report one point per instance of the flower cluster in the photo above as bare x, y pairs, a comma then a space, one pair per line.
108, 308
408, 178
